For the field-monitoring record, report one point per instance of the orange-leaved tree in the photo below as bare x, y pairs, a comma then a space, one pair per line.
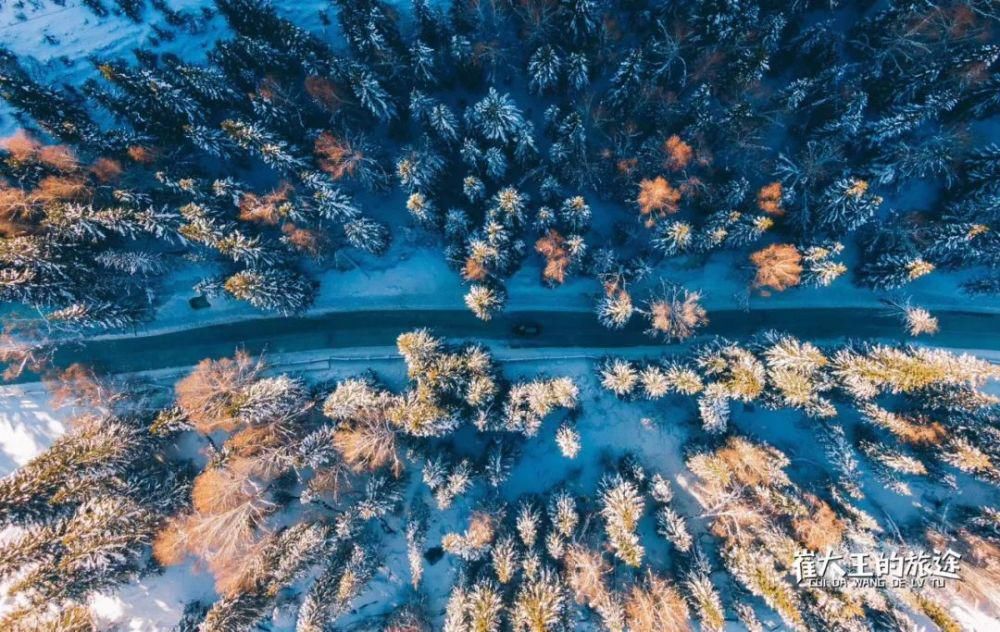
779, 266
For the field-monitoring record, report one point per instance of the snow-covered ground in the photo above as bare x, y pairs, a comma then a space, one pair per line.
413, 275
28, 424
658, 433
417, 277
62, 36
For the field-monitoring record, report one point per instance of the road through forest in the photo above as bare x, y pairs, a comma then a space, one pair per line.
558, 329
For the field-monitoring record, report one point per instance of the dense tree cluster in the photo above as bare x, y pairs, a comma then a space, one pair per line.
924, 415
604, 141
535, 563
945, 415
81, 516
290, 505
603, 136
113, 498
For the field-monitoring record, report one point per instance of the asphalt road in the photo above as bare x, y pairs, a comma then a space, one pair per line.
340, 330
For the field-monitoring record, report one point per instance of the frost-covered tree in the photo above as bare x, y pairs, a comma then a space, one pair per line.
675, 313
621, 508
55, 111
272, 289
568, 440
495, 117
544, 68
484, 301
475, 542
890, 271
540, 603
340, 582
846, 205
87, 509
528, 403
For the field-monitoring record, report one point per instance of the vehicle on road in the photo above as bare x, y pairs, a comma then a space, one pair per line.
526, 330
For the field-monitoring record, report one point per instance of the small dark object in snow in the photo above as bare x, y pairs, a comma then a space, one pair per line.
527, 330
433, 555
199, 302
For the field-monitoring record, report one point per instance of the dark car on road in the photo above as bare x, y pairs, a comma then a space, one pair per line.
526, 330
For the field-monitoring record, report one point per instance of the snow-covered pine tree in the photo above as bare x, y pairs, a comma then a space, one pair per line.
272, 289
57, 113
846, 205
495, 117
544, 69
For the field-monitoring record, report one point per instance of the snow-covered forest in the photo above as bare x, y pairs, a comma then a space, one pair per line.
521, 315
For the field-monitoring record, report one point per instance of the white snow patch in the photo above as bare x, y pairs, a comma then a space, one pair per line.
153, 603
107, 608
28, 424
